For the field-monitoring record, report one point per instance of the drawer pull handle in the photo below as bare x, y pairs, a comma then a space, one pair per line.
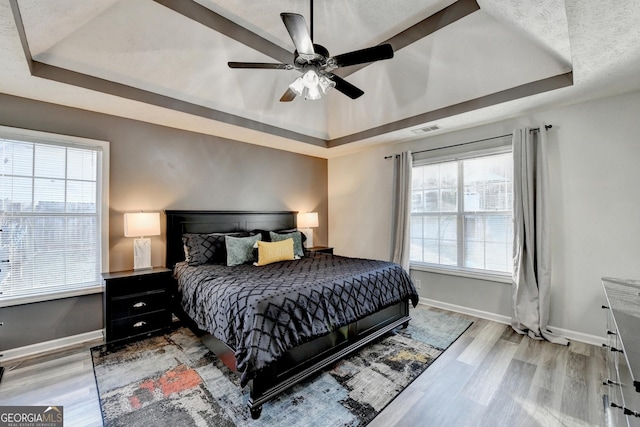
630, 412
140, 304
612, 348
139, 324
605, 307
611, 332
615, 405
610, 382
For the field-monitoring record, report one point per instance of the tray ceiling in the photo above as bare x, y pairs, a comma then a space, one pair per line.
456, 64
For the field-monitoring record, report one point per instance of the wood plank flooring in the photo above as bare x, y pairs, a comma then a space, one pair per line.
61, 379
490, 376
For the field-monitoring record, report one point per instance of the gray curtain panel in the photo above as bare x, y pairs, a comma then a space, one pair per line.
402, 164
531, 248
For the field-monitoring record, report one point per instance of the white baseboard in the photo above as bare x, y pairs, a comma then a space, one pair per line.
578, 336
466, 310
48, 346
571, 335
61, 343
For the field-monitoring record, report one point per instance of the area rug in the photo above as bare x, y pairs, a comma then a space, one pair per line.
174, 380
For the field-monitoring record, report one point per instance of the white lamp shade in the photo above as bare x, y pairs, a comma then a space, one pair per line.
307, 220
142, 224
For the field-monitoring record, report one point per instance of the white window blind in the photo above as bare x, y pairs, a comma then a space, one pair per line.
462, 212
50, 216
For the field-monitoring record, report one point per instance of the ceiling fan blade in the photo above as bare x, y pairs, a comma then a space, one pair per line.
297, 27
288, 96
375, 53
267, 65
345, 87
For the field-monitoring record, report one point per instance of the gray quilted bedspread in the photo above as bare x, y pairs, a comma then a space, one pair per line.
262, 312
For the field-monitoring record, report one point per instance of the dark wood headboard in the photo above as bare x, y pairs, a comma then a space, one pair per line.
179, 222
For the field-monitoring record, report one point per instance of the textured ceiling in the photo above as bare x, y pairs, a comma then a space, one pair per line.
144, 60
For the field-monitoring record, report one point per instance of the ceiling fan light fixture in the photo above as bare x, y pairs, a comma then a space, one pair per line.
326, 84
297, 86
310, 79
312, 93
311, 85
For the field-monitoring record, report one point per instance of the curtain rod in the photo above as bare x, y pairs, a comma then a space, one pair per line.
547, 127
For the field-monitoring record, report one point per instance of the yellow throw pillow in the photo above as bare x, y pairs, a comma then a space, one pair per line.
270, 252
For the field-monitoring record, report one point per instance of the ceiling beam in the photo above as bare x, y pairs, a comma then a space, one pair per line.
62, 75
422, 29
217, 22
433, 23
21, 33
522, 91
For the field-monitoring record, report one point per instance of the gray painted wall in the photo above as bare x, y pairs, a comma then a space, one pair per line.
43, 321
155, 168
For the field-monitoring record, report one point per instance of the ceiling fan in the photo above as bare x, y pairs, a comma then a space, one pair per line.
315, 63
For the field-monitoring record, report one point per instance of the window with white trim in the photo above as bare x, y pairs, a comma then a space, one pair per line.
52, 215
462, 213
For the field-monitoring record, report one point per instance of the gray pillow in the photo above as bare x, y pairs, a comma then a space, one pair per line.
240, 249
199, 248
298, 250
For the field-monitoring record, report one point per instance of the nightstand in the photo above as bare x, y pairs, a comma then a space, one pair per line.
321, 249
136, 303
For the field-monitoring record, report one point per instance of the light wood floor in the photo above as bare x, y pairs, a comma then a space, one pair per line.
490, 376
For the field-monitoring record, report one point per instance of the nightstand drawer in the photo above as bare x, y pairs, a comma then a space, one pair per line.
138, 284
131, 305
141, 324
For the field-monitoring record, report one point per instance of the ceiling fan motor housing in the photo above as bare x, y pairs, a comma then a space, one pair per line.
318, 58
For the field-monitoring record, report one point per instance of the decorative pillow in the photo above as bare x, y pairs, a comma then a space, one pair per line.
206, 248
270, 252
293, 230
200, 248
240, 249
298, 250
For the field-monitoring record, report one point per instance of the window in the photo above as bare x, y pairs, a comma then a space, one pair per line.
52, 215
461, 214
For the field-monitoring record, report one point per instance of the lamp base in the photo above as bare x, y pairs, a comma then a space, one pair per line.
142, 254
308, 232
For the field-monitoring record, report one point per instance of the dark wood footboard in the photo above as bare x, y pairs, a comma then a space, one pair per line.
305, 360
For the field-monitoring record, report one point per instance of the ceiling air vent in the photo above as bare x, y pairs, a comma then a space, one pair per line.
426, 129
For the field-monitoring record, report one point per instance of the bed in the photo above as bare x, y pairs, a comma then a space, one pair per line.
277, 324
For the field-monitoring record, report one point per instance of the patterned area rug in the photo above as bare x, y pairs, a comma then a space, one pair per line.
175, 380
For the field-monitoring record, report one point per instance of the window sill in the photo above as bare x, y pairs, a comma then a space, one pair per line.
29, 299
478, 275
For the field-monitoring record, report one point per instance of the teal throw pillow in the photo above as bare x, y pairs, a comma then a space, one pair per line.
298, 250
240, 249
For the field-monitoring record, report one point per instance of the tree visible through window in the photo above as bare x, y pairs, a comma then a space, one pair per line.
50, 217
461, 215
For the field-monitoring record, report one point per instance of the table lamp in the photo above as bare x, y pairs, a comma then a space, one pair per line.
305, 222
141, 224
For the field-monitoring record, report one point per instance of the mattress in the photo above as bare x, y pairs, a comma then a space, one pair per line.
263, 312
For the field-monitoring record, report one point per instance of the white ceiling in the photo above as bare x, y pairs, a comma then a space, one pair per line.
461, 75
